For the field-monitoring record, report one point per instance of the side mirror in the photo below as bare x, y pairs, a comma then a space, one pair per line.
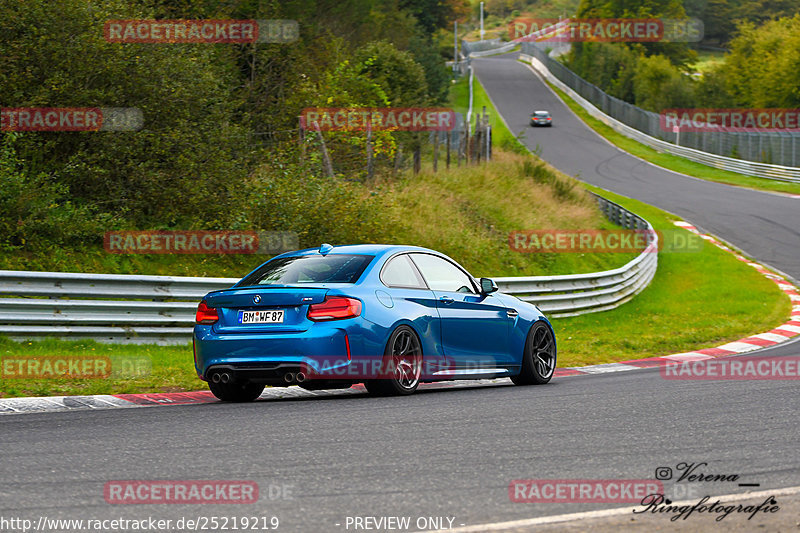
488, 286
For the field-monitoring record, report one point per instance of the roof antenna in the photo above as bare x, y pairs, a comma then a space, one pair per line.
325, 248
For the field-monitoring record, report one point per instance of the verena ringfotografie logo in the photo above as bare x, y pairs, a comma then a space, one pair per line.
200, 242
606, 30
735, 368
734, 120
390, 119
201, 31
71, 119
180, 492
582, 490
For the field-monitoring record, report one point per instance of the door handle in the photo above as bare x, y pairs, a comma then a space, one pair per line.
446, 300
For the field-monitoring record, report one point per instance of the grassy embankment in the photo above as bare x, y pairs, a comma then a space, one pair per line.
697, 299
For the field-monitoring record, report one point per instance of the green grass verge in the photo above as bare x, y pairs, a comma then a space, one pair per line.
134, 368
696, 300
673, 162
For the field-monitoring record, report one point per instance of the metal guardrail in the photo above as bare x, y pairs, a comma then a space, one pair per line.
576, 294
543, 63
507, 47
160, 309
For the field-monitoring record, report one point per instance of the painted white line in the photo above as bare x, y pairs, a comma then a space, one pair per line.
740, 347
774, 337
688, 356
603, 369
619, 511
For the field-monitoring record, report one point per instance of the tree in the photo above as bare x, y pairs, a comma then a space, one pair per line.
658, 85
768, 56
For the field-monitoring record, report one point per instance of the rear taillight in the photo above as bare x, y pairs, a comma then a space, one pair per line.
335, 308
206, 314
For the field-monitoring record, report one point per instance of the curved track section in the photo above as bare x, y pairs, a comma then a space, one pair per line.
446, 453
765, 225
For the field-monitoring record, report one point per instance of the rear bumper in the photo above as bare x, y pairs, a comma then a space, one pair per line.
274, 374
266, 358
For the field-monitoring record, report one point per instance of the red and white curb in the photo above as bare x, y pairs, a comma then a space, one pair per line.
116, 401
782, 333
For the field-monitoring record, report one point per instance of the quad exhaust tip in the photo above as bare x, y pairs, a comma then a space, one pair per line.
300, 377
221, 377
288, 377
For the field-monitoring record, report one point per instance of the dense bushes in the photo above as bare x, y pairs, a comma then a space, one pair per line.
762, 68
213, 114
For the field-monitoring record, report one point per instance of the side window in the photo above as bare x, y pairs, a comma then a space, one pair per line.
399, 272
442, 275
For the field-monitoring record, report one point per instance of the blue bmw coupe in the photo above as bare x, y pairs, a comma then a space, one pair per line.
386, 316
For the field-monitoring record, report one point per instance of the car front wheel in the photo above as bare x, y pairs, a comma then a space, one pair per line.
539, 358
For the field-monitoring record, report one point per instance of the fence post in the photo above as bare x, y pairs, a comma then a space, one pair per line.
398, 155
477, 139
302, 139
370, 163
459, 148
467, 151
435, 151
325, 157
447, 159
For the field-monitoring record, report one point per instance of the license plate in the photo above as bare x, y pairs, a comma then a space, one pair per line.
260, 317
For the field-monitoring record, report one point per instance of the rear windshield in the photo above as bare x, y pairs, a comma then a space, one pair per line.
542, 114
338, 268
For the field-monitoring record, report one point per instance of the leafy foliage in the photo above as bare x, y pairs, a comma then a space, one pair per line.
213, 114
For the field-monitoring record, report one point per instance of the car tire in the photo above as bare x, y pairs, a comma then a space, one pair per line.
403, 358
539, 357
236, 392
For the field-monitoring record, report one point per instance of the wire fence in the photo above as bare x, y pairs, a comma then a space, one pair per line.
773, 148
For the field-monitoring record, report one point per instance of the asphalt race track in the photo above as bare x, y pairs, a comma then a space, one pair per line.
449, 453
764, 225
443, 453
